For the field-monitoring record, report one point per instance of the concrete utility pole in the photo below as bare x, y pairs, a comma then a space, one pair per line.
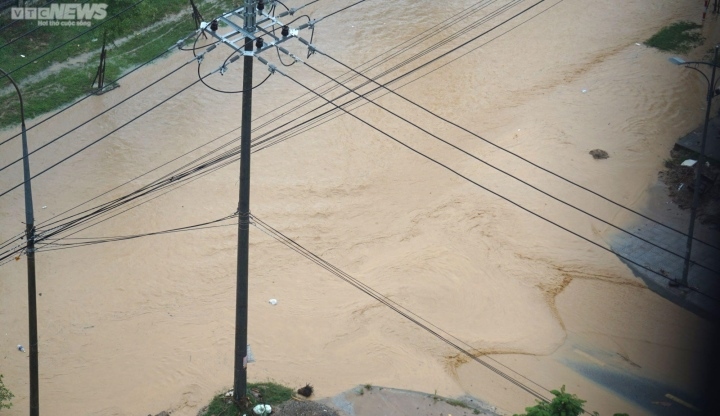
243, 40
241, 296
30, 238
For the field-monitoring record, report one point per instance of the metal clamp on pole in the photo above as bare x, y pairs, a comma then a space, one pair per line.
311, 48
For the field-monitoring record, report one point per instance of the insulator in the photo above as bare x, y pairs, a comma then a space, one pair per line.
285, 31
261, 5
214, 25
259, 43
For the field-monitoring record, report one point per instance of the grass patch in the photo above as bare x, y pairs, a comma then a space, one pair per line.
679, 37
272, 394
62, 87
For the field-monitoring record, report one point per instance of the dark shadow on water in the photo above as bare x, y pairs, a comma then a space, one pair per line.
646, 393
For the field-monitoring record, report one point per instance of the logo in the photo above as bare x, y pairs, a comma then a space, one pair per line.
61, 14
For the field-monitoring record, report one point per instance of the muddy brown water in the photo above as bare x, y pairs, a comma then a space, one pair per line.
141, 326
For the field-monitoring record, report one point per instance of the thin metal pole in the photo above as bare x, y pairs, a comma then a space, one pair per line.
30, 238
241, 295
698, 174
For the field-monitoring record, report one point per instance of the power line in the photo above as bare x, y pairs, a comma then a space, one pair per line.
415, 41
407, 61
318, 117
489, 190
301, 123
91, 94
487, 163
408, 44
72, 39
31, 30
111, 132
447, 23
101, 113
254, 145
338, 11
416, 56
86, 241
396, 307
407, 48
14, 22
10, 240
499, 147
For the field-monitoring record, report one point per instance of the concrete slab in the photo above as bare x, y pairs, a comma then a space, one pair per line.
383, 401
693, 140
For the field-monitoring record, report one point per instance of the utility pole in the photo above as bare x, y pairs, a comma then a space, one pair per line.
241, 295
243, 40
711, 93
30, 237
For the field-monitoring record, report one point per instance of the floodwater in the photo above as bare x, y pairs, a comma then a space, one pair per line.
139, 326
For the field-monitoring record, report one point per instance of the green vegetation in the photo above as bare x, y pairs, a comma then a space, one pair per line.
564, 404
679, 37
57, 79
271, 393
5, 395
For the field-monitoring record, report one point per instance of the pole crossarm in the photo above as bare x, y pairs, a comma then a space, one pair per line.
238, 35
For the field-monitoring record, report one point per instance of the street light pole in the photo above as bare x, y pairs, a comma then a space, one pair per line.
30, 237
701, 158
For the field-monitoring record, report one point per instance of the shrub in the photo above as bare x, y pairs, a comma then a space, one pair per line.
5, 395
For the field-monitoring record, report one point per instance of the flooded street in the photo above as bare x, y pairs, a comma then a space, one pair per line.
145, 325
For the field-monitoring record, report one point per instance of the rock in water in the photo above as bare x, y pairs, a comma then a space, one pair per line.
599, 154
306, 391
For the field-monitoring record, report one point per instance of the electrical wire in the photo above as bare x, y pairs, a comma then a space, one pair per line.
93, 27
529, 211
338, 11
448, 22
514, 154
169, 49
86, 241
14, 22
407, 61
394, 51
394, 48
223, 91
91, 94
99, 115
103, 137
487, 163
31, 30
257, 148
303, 104
394, 306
